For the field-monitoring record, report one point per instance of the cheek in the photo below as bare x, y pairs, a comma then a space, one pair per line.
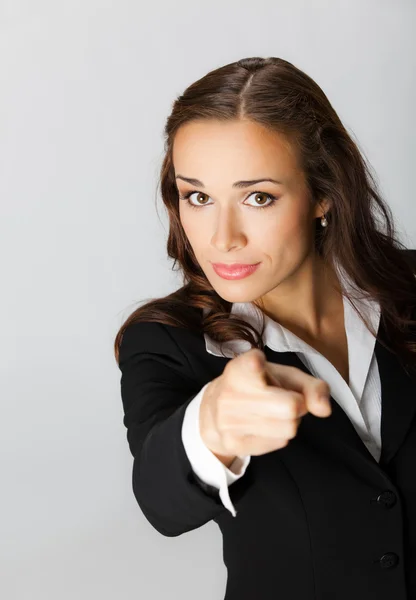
193, 229
281, 232
276, 227
185, 221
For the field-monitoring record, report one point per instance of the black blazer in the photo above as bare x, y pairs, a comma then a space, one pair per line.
319, 519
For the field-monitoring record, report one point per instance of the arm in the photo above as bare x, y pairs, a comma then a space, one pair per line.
157, 385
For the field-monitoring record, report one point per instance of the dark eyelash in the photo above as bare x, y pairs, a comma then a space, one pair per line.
188, 194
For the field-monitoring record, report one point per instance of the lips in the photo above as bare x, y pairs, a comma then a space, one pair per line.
234, 271
232, 266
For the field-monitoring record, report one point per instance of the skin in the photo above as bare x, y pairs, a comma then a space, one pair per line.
292, 284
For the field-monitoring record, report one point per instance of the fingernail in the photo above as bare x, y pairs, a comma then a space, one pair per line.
323, 398
325, 403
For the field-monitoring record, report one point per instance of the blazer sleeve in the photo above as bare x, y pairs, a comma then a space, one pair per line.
157, 385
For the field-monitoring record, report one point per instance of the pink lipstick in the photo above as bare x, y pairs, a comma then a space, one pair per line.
234, 271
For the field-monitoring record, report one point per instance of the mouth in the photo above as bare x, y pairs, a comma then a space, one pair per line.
234, 270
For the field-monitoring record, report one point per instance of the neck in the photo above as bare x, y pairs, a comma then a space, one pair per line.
307, 301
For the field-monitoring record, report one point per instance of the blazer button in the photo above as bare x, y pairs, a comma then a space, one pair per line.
388, 560
387, 499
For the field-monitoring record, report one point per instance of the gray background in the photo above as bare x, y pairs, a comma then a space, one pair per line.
85, 90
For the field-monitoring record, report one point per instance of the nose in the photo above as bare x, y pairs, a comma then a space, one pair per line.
228, 234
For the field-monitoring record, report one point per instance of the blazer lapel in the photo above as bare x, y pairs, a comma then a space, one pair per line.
334, 434
337, 434
398, 402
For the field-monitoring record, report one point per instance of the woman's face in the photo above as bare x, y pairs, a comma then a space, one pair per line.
264, 222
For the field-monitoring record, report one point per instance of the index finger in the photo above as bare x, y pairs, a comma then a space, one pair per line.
292, 378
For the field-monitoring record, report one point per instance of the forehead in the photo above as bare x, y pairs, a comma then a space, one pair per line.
203, 148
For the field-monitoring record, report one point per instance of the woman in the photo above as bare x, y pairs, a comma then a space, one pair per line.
221, 379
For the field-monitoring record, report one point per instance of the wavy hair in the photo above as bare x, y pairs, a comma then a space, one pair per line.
360, 234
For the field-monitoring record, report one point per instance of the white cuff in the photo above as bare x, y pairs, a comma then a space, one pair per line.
204, 463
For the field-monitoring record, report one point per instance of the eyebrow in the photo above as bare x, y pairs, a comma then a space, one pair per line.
236, 184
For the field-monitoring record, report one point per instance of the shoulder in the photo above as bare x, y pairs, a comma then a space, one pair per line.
178, 348
151, 337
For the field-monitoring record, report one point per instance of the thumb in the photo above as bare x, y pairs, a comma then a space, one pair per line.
255, 360
256, 365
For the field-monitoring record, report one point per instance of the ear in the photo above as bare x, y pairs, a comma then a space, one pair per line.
322, 207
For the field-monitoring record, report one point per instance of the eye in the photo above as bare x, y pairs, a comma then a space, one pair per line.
191, 193
188, 195
269, 196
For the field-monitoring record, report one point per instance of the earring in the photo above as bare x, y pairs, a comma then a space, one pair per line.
324, 222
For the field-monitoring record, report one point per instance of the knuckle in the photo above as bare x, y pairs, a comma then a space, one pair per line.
292, 429
292, 407
223, 404
282, 443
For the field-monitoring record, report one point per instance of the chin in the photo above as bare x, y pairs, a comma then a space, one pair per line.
237, 296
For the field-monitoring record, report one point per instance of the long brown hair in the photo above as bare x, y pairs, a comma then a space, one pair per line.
276, 94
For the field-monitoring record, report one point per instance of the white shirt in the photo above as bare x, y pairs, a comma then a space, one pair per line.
360, 400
